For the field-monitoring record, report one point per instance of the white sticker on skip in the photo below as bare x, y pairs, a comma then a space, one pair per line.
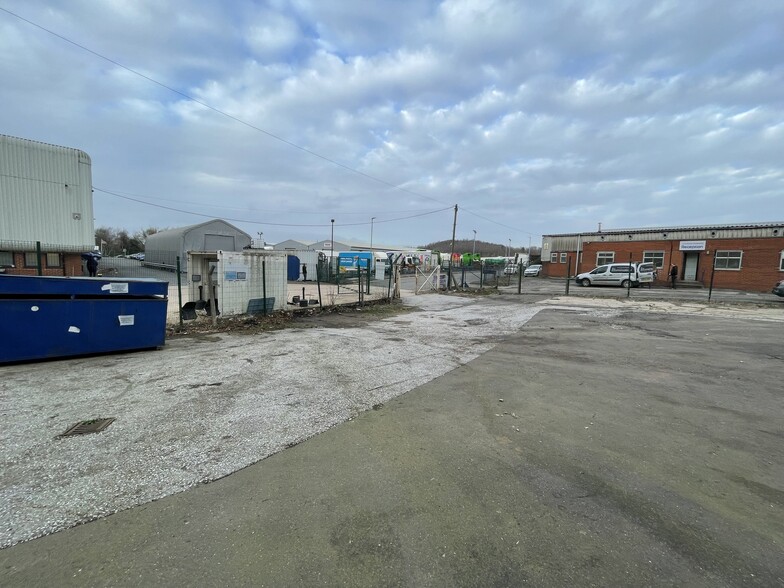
74, 330
126, 320
118, 287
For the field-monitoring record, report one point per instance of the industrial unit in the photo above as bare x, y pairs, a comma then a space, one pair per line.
738, 256
162, 249
47, 203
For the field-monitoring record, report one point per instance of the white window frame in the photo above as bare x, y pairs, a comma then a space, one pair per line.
554, 257
602, 257
7, 256
781, 262
30, 259
58, 261
654, 257
728, 255
563, 257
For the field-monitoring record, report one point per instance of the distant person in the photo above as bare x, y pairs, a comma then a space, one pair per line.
92, 266
673, 275
304, 272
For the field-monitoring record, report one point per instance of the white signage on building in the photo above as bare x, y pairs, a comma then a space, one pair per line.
692, 246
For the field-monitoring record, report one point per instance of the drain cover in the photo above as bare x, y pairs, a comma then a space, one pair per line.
91, 426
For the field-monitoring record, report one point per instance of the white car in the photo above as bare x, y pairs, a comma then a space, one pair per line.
617, 274
533, 270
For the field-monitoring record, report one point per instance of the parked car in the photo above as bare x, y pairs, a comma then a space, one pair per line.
510, 269
617, 274
137, 256
778, 289
533, 270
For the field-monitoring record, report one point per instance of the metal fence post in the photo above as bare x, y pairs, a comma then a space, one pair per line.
713, 272
264, 285
38, 261
568, 272
520, 278
179, 290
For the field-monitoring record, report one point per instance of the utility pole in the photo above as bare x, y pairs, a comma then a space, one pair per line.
331, 247
473, 249
372, 218
452, 253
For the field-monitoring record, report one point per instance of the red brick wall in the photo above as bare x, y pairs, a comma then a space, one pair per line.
759, 267
71, 266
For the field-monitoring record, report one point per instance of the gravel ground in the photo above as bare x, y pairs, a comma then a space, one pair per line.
207, 406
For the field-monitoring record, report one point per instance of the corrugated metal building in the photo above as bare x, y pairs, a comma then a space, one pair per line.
161, 249
46, 197
746, 256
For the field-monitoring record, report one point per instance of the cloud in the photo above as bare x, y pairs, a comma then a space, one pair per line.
543, 117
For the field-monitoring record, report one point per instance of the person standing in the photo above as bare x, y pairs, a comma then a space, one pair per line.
673, 275
304, 272
92, 265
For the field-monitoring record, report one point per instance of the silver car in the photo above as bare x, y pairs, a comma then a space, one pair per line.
617, 274
533, 270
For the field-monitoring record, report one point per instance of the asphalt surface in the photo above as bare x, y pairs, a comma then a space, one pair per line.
639, 449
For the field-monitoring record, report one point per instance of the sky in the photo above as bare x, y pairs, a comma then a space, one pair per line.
532, 117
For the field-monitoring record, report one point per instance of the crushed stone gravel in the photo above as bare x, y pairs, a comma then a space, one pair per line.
204, 407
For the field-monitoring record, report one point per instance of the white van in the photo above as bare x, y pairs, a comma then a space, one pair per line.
617, 274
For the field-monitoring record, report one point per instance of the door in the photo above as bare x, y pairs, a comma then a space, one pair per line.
690, 262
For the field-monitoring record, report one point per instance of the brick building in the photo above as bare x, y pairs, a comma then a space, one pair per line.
47, 208
739, 256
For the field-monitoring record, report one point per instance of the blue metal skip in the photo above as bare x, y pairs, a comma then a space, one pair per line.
46, 317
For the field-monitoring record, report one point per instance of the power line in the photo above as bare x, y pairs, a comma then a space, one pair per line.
251, 126
221, 112
223, 207
264, 223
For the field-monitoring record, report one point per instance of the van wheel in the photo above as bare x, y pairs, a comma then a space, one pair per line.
585, 282
625, 284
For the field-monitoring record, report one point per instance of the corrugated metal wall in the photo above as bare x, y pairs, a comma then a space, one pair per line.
164, 247
45, 194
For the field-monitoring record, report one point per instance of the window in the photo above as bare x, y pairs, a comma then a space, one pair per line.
728, 260
654, 257
605, 257
52, 260
781, 261
6, 259
563, 257
553, 257
31, 259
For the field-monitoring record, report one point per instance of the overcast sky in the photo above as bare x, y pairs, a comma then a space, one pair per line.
533, 117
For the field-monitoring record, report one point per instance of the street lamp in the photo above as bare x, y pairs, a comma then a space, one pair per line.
331, 245
372, 218
473, 250
509, 251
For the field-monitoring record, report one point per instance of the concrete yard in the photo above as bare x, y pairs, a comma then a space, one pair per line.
475, 442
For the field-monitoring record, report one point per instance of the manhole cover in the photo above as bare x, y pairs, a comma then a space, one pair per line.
91, 426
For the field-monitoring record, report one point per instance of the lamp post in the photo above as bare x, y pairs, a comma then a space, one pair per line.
509, 250
473, 250
372, 218
331, 245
